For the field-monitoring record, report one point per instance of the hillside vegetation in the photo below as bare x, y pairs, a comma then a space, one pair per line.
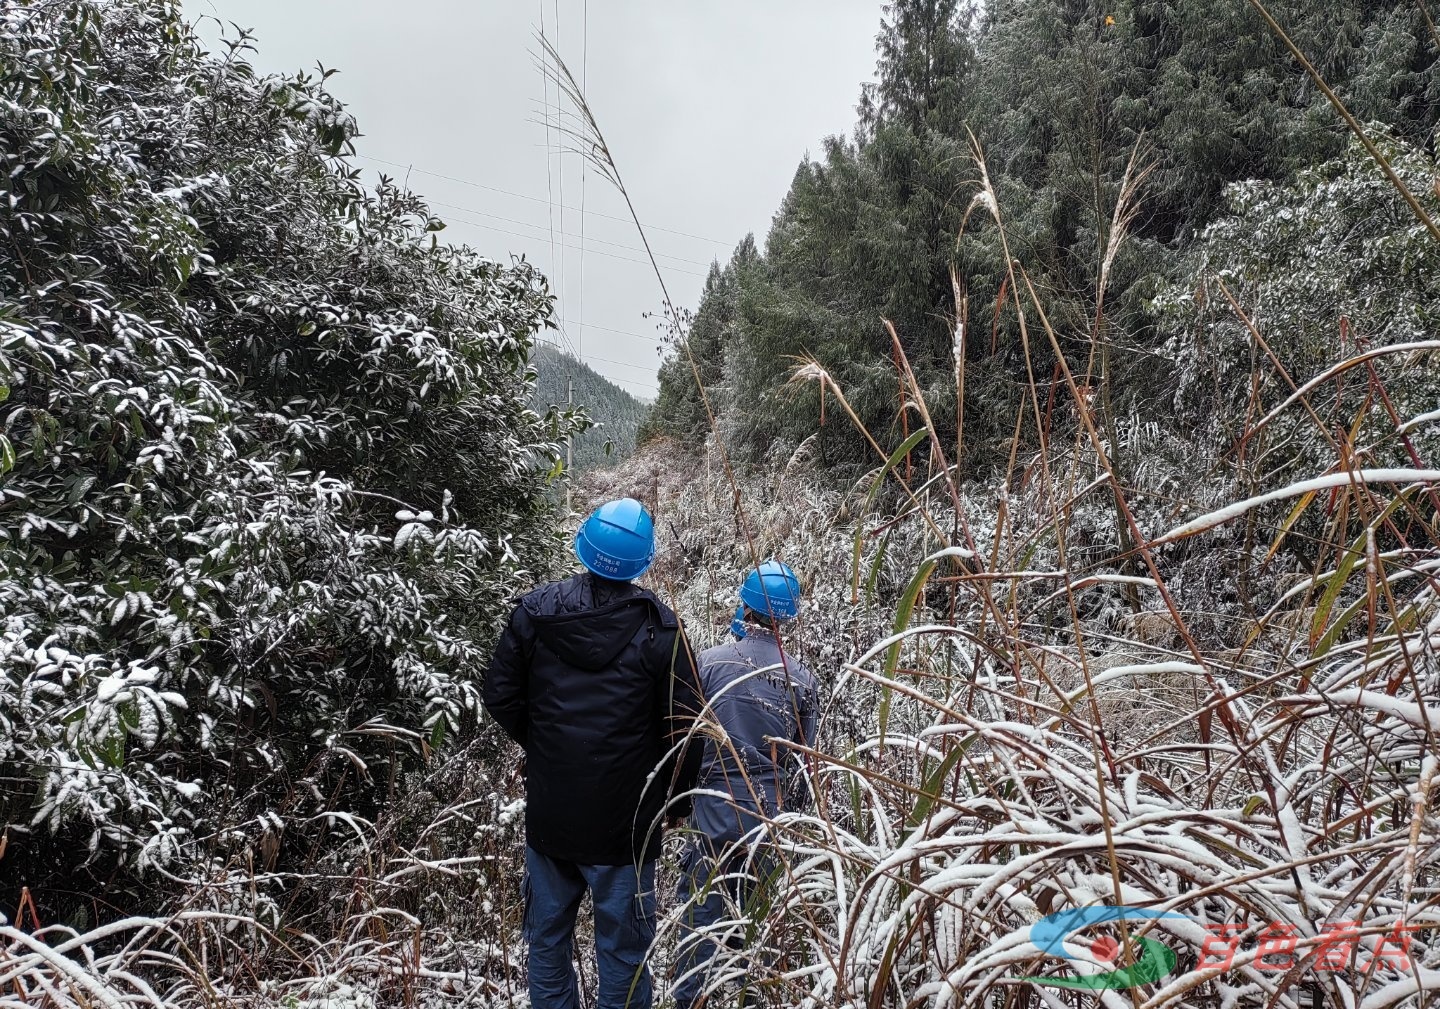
614, 414
1080, 108
1106, 446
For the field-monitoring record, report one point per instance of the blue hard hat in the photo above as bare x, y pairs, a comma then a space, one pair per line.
772, 590
617, 541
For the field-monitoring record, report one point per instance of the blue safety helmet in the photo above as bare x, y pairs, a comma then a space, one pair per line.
771, 590
737, 622
617, 541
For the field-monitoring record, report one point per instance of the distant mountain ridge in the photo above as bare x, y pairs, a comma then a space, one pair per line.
617, 413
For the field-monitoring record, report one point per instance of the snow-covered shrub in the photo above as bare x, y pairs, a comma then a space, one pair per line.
1324, 269
418, 909
268, 474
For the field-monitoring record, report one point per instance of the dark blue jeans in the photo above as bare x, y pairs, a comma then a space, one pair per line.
710, 889
624, 900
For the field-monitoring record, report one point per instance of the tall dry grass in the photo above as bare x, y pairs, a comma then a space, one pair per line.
1021, 760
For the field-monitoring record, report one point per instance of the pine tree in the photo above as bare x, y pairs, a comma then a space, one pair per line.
924, 53
679, 411
1061, 94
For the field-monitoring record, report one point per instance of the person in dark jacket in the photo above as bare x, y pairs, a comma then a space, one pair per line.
594, 679
761, 696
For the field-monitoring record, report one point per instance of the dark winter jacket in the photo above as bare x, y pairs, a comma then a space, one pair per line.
757, 693
596, 682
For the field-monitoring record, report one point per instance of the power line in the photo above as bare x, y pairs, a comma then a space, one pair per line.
569, 380
528, 224
554, 345
584, 164
623, 332
536, 199
557, 261
561, 156
624, 364
549, 182
617, 379
596, 252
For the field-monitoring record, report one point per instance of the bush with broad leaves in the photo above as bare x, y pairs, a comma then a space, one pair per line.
267, 471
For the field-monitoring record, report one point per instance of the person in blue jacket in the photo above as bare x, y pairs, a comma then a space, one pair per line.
594, 679
761, 695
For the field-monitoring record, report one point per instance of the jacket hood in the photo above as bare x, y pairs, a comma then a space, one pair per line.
586, 622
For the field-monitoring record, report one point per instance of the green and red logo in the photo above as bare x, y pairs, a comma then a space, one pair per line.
1153, 961
1277, 948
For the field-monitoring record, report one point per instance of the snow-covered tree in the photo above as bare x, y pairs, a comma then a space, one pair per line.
267, 469
1324, 269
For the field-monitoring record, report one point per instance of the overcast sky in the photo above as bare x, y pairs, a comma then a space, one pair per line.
708, 108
